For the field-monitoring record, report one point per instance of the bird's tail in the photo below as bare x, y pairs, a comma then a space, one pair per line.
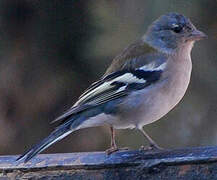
58, 134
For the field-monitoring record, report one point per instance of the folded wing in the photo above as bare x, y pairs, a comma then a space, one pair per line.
114, 86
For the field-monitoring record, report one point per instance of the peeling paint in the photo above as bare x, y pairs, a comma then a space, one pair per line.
184, 169
182, 164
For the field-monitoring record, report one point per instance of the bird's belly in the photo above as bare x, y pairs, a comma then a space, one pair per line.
149, 105
106, 119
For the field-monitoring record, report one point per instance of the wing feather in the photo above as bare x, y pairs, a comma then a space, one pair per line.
114, 86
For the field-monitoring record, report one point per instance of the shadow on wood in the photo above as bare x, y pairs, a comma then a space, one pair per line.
188, 163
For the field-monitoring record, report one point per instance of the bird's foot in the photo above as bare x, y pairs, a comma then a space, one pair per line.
151, 147
115, 149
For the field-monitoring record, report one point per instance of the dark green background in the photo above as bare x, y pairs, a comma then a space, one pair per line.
50, 51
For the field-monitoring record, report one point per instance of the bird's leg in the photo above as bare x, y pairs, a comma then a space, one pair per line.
113, 147
153, 144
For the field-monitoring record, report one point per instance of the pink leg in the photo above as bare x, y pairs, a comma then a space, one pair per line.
113, 147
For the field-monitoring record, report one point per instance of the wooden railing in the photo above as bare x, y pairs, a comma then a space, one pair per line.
186, 164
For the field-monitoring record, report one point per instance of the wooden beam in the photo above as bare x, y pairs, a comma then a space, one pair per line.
188, 163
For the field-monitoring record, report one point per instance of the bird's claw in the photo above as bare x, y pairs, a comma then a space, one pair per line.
115, 149
151, 147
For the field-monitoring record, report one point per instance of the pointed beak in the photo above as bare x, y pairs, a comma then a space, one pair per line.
197, 35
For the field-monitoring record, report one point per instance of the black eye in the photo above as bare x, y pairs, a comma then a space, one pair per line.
177, 28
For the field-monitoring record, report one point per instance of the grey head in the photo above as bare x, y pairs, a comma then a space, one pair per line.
171, 32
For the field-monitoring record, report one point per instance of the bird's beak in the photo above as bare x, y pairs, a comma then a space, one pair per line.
197, 35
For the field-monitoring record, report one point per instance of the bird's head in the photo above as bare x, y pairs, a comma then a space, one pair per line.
172, 31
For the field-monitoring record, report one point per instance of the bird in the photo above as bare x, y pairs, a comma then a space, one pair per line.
142, 84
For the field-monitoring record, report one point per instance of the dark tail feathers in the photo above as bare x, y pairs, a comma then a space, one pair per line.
61, 132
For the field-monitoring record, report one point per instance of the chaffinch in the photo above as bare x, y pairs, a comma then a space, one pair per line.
143, 83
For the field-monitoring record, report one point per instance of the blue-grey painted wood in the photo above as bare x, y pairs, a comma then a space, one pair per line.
124, 164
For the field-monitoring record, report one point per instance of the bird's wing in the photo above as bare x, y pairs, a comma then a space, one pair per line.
114, 86
126, 58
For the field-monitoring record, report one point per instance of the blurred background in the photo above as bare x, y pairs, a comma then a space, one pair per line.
50, 51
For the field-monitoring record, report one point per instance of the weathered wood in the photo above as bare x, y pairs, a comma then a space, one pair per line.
189, 163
